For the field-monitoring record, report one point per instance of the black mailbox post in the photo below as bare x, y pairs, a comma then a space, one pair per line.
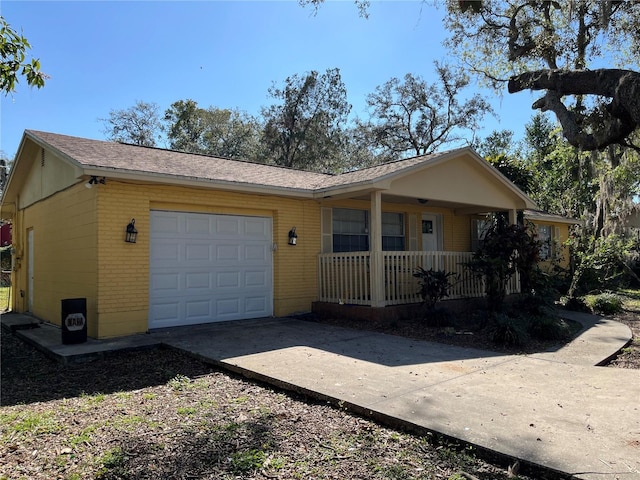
74, 320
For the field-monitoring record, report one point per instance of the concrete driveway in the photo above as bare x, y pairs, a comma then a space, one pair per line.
554, 409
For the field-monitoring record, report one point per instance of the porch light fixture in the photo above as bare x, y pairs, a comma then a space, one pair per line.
131, 234
95, 181
293, 237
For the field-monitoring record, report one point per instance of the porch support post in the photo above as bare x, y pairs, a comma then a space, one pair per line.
513, 217
376, 271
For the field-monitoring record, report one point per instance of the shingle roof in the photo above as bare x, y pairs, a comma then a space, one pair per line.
549, 217
136, 159
380, 172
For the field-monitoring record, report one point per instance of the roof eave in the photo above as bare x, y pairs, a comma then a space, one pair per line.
351, 189
165, 179
541, 216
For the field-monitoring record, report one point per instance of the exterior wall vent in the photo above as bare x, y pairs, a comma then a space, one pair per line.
42, 158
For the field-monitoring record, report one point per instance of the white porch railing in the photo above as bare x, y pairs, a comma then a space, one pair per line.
344, 277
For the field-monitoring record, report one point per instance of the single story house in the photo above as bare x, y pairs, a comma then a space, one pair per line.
219, 239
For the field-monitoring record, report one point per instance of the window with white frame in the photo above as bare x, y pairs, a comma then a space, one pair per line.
351, 230
545, 236
392, 231
479, 229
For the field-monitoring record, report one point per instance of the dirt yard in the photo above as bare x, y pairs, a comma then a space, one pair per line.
160, 414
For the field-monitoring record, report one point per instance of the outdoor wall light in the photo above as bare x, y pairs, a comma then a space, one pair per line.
95, 181
131, 234
293, 237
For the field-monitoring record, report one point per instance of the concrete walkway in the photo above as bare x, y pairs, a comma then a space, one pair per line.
554, 409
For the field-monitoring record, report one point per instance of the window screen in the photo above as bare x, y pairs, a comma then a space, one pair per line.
350, 230
392, 231
546, 238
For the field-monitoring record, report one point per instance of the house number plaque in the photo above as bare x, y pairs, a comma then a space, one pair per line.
74, 322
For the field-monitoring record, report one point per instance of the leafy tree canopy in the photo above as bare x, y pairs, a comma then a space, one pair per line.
5, 164
501, 151
139, 125
14, 64
212, 131
304, 129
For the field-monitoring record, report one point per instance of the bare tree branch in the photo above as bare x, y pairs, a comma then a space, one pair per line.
620, 117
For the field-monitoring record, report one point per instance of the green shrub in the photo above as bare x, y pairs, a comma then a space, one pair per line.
505, 250
601, 263
604, 303
506, 331
532, 305
434, 285
549, 328
575, 304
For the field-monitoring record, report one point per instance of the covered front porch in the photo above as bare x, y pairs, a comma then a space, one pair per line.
389, 220
347, 278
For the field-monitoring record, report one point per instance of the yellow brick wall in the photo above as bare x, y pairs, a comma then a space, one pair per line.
80, 249
65, 254
123, 286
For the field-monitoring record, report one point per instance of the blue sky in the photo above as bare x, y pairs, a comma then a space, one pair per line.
107, 55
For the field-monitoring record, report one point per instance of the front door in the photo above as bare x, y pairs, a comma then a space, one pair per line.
431, 238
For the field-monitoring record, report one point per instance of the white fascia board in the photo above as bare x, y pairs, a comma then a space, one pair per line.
345, 191
146, 177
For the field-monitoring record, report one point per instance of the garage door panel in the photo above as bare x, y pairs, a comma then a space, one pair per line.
229, 279
162, 282
226, 307
198, 310
255, 305
256, 228
166, 224
255, 278
197, 280
207, 268
198, 252
165, 313
227, 253
227, 226
197, 225
255, 253
165, 251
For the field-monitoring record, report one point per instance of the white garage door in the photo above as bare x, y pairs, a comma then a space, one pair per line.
209, 268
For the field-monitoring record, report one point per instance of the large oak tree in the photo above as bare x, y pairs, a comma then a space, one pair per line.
411, 116
304, 128
138, 125
212, 131
580, 54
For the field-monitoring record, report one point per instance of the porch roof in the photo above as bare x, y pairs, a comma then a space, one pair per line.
458, 178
